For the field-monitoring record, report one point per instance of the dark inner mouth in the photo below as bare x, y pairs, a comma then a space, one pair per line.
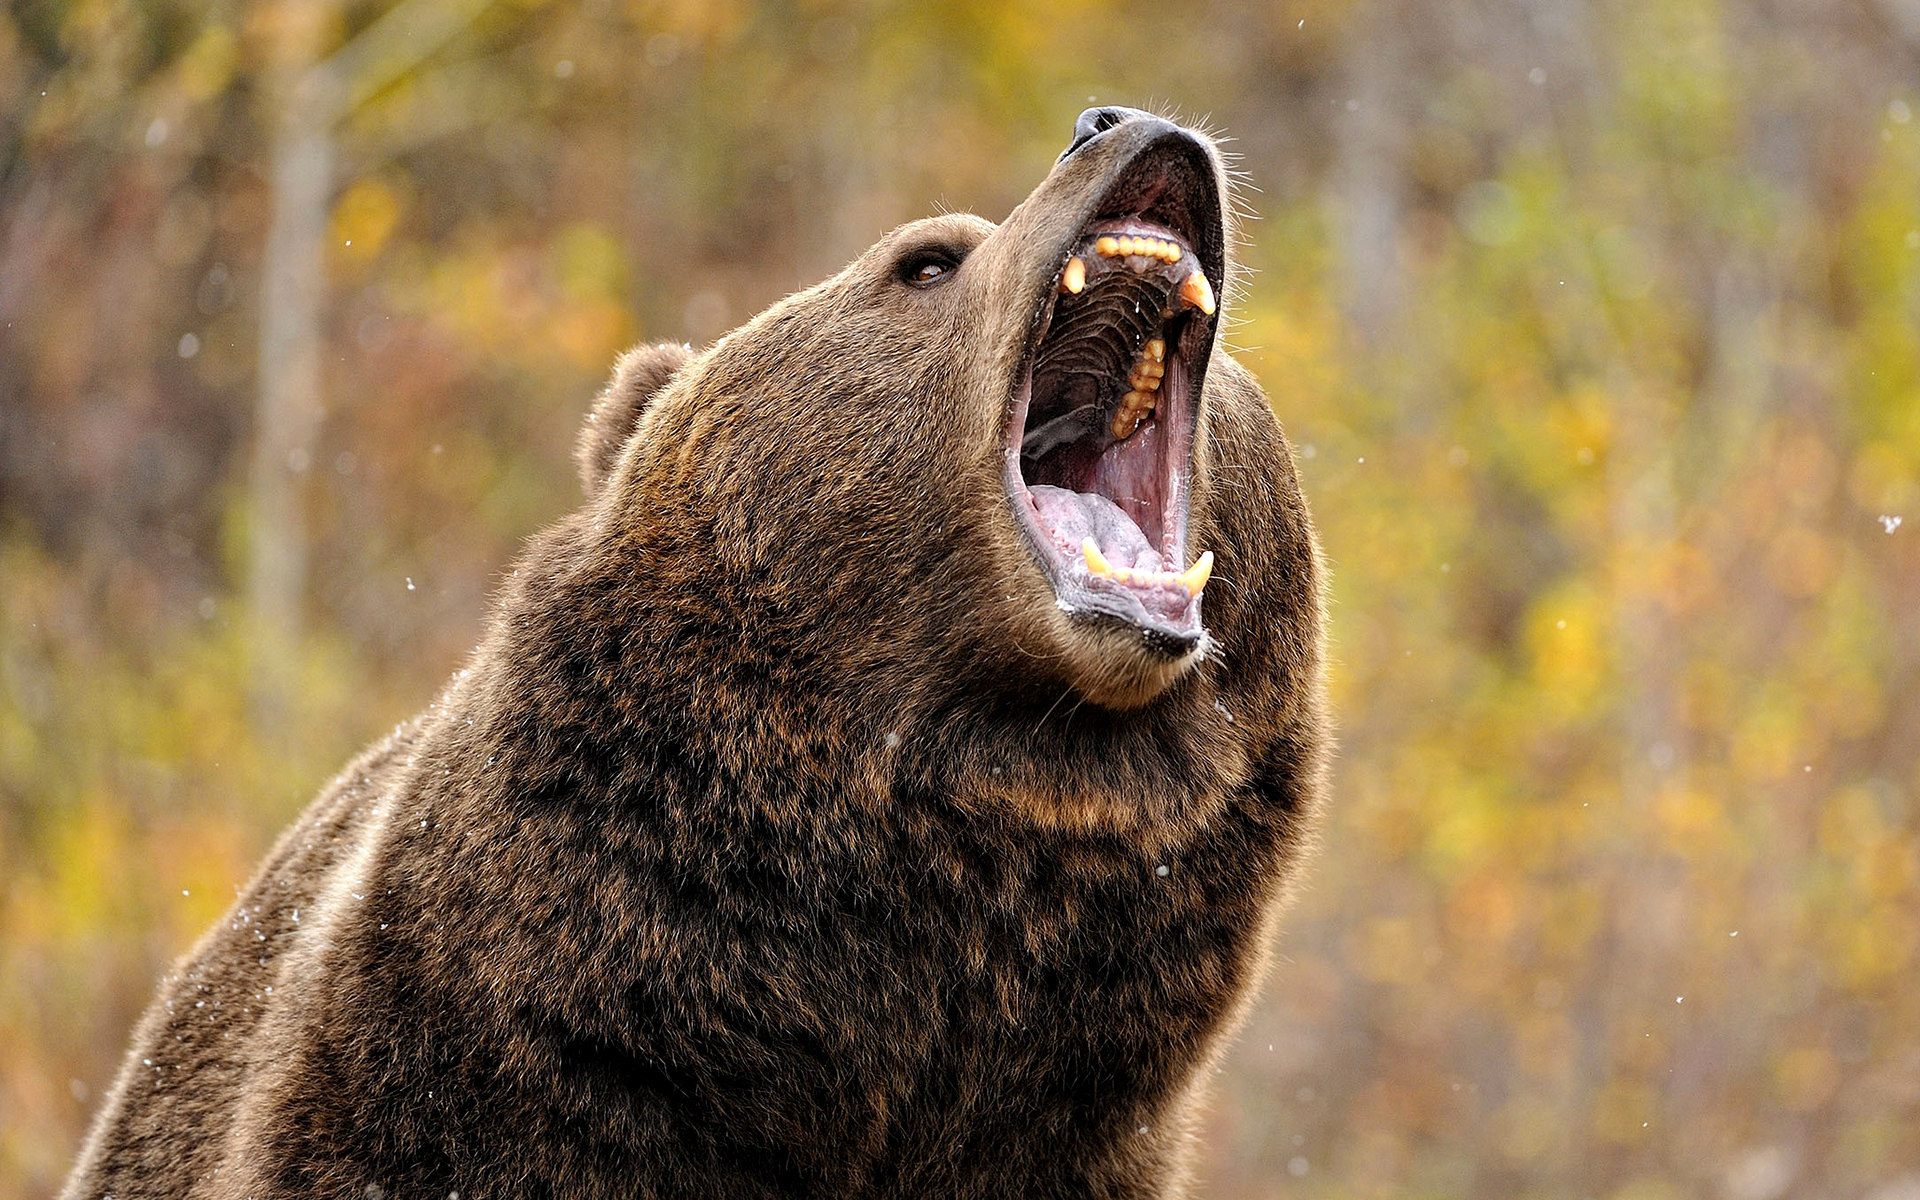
1104, 445
1091, 450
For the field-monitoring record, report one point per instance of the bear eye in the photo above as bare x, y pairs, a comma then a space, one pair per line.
925, 268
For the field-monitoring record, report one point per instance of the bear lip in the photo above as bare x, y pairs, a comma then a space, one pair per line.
1071, 479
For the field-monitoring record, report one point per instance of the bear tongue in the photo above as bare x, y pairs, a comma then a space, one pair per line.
1074, 516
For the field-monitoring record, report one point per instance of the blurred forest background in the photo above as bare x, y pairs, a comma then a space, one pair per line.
1595, 325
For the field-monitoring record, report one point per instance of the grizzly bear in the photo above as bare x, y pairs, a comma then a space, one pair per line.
884, 786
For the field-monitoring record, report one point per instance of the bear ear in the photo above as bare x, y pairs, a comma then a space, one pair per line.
637, 377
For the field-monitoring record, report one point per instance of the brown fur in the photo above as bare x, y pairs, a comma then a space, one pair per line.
769, 844
637, 378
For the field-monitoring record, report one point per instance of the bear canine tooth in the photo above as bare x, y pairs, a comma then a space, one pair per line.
1096, 561
1197, 575
1073, 277
1196, 292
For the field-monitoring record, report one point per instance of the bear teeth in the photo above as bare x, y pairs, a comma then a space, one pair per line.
1143, 247
1073, 277
1196, 292
1096, 561
1193, 579
1142, 257
1143, 384
1196, 576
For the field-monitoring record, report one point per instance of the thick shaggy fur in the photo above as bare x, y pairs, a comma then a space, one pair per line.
768, 844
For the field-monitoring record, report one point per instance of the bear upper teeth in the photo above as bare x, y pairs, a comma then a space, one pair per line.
1137, 255
1073, 277
1145, 247
1143, 382
1196, 292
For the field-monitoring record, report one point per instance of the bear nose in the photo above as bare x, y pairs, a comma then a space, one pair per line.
1096, 121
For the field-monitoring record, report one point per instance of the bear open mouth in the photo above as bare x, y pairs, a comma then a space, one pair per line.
1099, 445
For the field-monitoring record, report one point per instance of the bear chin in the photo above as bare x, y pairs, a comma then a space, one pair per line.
1121, 666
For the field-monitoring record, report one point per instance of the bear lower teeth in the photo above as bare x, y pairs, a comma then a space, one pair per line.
1194, 578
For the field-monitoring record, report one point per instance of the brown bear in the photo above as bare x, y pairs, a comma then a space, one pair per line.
850, 800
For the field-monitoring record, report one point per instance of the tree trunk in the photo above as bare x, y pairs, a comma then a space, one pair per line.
288, 417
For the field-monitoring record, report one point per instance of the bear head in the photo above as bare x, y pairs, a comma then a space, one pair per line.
1002, 469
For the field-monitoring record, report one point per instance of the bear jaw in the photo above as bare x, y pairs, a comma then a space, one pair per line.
1098, 445
1125, 668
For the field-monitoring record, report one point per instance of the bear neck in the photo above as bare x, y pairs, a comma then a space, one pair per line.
639, 683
